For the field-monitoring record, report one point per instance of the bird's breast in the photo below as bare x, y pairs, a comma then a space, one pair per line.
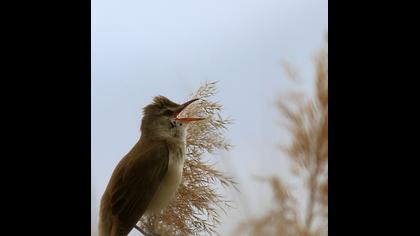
170, 182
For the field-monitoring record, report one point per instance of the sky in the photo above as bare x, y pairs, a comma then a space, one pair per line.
141, 49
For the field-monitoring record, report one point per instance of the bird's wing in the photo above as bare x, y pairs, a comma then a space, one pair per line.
138, 182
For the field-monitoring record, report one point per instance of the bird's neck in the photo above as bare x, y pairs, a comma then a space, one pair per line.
177, 141
169, 139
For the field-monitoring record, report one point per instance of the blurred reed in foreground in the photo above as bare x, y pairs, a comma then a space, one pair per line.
307, 122
196, 207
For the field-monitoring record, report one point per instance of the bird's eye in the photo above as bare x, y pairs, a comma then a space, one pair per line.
167, 113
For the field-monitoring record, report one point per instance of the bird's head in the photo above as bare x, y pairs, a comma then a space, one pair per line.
160, 118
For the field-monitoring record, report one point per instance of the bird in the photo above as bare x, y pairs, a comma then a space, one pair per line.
148, 176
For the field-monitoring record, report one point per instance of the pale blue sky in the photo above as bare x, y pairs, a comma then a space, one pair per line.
144, 48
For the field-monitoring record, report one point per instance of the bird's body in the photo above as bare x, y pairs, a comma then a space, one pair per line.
147, 178
170, 182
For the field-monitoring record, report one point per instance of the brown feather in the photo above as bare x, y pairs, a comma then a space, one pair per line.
127, 196
159, 103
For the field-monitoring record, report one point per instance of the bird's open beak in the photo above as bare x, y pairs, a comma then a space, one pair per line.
181, 108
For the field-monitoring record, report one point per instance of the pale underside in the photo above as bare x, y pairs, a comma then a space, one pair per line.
170, 182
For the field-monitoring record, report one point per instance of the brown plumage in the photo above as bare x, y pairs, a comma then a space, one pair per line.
145, 180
